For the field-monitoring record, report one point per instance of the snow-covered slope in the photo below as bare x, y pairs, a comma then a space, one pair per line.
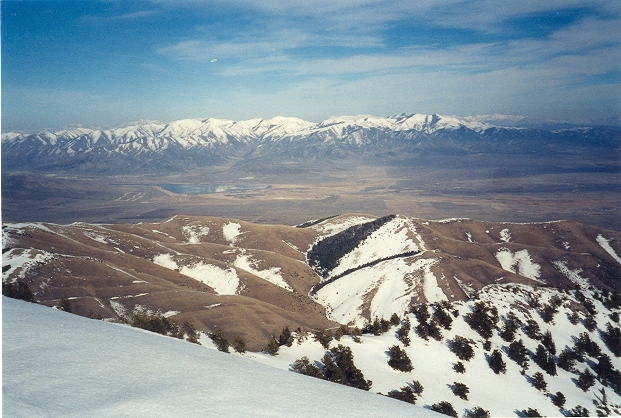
504, 394
57, 364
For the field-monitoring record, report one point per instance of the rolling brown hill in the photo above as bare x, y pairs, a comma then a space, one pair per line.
252, 280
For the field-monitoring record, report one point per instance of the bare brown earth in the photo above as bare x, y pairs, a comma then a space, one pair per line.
107, 270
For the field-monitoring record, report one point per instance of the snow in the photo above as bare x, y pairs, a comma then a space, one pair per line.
384, 288
573, 275
519, 263
502, 394
21, 260
390, 239
335, 225
223, 281
194, 233
605, 244
231, 232
272, 275
59, 364
505, 236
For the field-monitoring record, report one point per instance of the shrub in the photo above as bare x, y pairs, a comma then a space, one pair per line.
65, 305
220, 341
404, 394
461, 347
579, 411
530, 412
239, 345
399, 359
558, 399
461, 390
538, 381
496, 362
18, 290
417, 388
477, 412
444, 408
459, 367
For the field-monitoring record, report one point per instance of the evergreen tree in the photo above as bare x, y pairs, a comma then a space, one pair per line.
239, 345
18, 290
324, 337
477, 412
285, 337
530, 412
461, 347
394, 319
404, 394
538, 381
459, 367
444, 408
586, 379
403, 332
482, 319
442, 317
461, 390
190, 331
220, 341
272, 346
612, 338
574, 318
584, 345
579, 411
65, 305
339, 367
417, 388
559, 399
421, 312
399, 359
305, 367
548, 312
496, 362
567, 360
519, 353
590, 323
548, 342
532, 330
545, 360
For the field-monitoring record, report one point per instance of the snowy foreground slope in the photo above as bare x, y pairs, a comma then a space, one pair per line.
62, 365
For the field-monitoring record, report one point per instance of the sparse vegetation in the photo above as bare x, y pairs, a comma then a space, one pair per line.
18, 290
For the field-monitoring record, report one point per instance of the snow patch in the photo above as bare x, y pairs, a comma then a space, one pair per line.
573, 275
223, 281
605, 244
505, 236
272, 275
18, 261
231, 232
194, 233
519, 263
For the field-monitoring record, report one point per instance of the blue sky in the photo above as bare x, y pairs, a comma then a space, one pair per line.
106, 63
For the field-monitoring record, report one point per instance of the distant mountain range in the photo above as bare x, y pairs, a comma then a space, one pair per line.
194, 142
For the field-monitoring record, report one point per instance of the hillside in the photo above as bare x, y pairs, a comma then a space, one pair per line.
57, 364
251, 280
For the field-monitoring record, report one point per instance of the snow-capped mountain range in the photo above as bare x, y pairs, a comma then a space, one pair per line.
200, 139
